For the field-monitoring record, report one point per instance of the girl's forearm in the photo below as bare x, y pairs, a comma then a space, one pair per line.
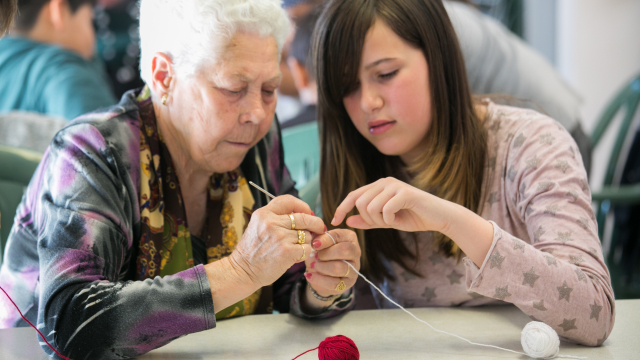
472, 233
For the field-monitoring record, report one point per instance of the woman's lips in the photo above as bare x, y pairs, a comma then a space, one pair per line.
378, 127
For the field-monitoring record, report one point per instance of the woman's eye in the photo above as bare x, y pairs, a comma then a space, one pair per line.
268, 92
389, 75
233, 92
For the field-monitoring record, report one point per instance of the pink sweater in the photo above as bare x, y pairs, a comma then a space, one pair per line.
546, 257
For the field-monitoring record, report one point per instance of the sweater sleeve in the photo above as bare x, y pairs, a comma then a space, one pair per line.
557, 275
84, 218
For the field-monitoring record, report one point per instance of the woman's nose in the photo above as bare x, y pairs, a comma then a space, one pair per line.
255, 112
370, 101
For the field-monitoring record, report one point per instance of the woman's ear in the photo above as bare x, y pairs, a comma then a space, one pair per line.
161, 74
57, 12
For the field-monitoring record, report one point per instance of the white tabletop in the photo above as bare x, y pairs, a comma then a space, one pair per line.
379, 334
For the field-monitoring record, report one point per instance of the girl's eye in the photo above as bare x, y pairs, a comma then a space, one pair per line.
388, 75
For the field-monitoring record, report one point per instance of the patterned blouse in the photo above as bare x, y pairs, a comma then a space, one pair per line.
70, 261
545, 258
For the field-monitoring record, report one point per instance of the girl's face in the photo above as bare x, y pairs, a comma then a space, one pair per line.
392, 105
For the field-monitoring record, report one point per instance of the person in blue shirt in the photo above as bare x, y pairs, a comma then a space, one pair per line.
46, 61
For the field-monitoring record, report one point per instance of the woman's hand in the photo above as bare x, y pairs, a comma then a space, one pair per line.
269, 246
326, 270
391, 203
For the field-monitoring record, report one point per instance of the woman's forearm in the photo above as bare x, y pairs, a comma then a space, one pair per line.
472, 233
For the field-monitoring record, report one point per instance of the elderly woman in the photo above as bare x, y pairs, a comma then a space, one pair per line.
139, 226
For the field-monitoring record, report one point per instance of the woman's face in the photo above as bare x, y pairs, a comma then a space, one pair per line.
392, 106
228, 105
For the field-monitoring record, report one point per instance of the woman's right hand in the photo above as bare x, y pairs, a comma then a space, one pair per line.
269, 246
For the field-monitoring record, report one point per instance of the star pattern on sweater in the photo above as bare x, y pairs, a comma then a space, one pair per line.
545, 186
502, 292
408, 276
496, 260
564, 291
529, 209
584, 222
563, 237
530, 277
573, 194
491, 163
551, 260
523, 188
435, 259
551, 209
601, 341
454, 277
429, 293
533, 162
538, 233
539, 305
568, 325
575, 259
511, 173
520, 139
595, 311
573, 152
563, 165
495, 127
585, 185
546, 138
518, 244
581, 275
494, 197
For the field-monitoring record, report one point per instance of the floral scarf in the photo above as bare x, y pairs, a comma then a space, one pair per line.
165, 244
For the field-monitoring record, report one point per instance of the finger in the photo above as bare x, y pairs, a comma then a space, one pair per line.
306, 237
300, 252
347, 204
326, 285
326, 240
374, 209
331, 268
287, 204
342, 251
356, 222
390, 209
303, 222
362, 203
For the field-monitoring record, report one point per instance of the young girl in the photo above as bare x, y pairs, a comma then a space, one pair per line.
458, 202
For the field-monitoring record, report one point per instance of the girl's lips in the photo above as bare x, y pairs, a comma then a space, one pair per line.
378, 127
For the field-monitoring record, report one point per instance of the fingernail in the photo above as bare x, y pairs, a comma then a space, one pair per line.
312, 213
313, 264
308, 275
316, 244
325, 228
333, 220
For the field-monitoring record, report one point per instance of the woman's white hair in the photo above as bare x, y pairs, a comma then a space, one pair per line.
192, 31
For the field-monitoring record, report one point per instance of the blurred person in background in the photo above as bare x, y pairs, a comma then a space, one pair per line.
301, 71
7, 11
45, 65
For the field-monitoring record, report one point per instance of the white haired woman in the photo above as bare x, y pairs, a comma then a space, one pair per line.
139, 227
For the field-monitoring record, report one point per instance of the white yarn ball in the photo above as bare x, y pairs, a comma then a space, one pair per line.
540, 341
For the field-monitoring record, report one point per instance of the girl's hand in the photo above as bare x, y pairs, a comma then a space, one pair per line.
326, 268
391, 203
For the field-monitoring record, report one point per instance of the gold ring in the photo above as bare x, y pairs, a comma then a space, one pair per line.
301, 237
348, 269
293, 222
341, 286
303, 254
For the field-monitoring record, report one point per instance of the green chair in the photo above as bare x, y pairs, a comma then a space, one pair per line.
301, 152
626, 101
16, 168
310, 194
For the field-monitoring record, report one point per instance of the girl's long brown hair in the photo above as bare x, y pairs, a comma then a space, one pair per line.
451, 166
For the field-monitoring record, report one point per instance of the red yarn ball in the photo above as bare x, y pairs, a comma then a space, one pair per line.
338, 348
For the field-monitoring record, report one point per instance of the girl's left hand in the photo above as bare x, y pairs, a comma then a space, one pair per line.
391, 203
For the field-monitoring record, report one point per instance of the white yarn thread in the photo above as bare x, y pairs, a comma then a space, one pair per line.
540, 341
538, 337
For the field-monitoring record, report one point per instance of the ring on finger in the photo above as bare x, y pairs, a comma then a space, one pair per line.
302, 237
293, 222
303, 253
341, 286
348, 269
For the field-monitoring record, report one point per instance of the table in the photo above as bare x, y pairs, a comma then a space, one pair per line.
379, 334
